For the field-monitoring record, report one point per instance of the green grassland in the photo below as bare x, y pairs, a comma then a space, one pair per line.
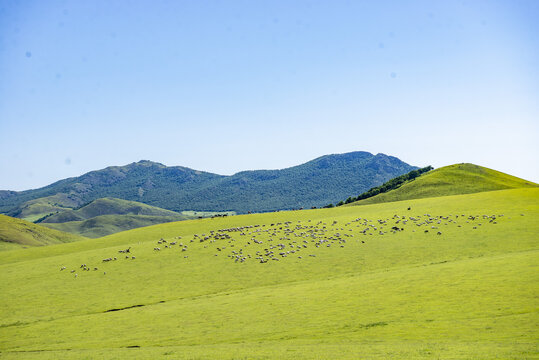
450, 180
17, 233
353, 282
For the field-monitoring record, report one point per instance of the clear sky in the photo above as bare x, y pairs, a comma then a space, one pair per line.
225, 86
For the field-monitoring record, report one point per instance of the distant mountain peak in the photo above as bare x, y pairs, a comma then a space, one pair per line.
148, 163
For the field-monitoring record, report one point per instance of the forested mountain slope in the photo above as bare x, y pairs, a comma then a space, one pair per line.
315, 183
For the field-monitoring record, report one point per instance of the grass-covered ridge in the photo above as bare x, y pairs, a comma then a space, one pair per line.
450, 180
16, 233
383, 288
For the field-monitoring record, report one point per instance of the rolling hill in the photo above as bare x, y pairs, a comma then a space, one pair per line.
103, 225
36, 209
17, 233
454, 277
315, 183
109, 215
107, 206
450, 180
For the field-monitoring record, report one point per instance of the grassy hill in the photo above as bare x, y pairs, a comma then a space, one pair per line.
108, 206
315, 183
36, 209
454, 277
108, 216
17, 233
450, 180
109, 224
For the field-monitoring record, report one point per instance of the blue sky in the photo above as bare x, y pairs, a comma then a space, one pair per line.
225, 86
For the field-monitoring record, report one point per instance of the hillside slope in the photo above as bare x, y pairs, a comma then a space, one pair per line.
108, 206
310, 184
347, 286
109, 215
450, 180
109, 224
17, 233
315, 183
36, 209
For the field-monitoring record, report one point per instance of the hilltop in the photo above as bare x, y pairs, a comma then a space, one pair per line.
17, 233
315, 183
450, 180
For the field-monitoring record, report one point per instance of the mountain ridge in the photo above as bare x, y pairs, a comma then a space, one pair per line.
177, 188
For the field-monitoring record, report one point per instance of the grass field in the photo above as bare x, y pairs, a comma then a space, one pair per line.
469, 292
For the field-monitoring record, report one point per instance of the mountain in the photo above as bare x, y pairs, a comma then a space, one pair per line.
130, 182
315, 183
450, 180
17, 233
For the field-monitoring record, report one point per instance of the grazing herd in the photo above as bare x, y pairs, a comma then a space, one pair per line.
287, 240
